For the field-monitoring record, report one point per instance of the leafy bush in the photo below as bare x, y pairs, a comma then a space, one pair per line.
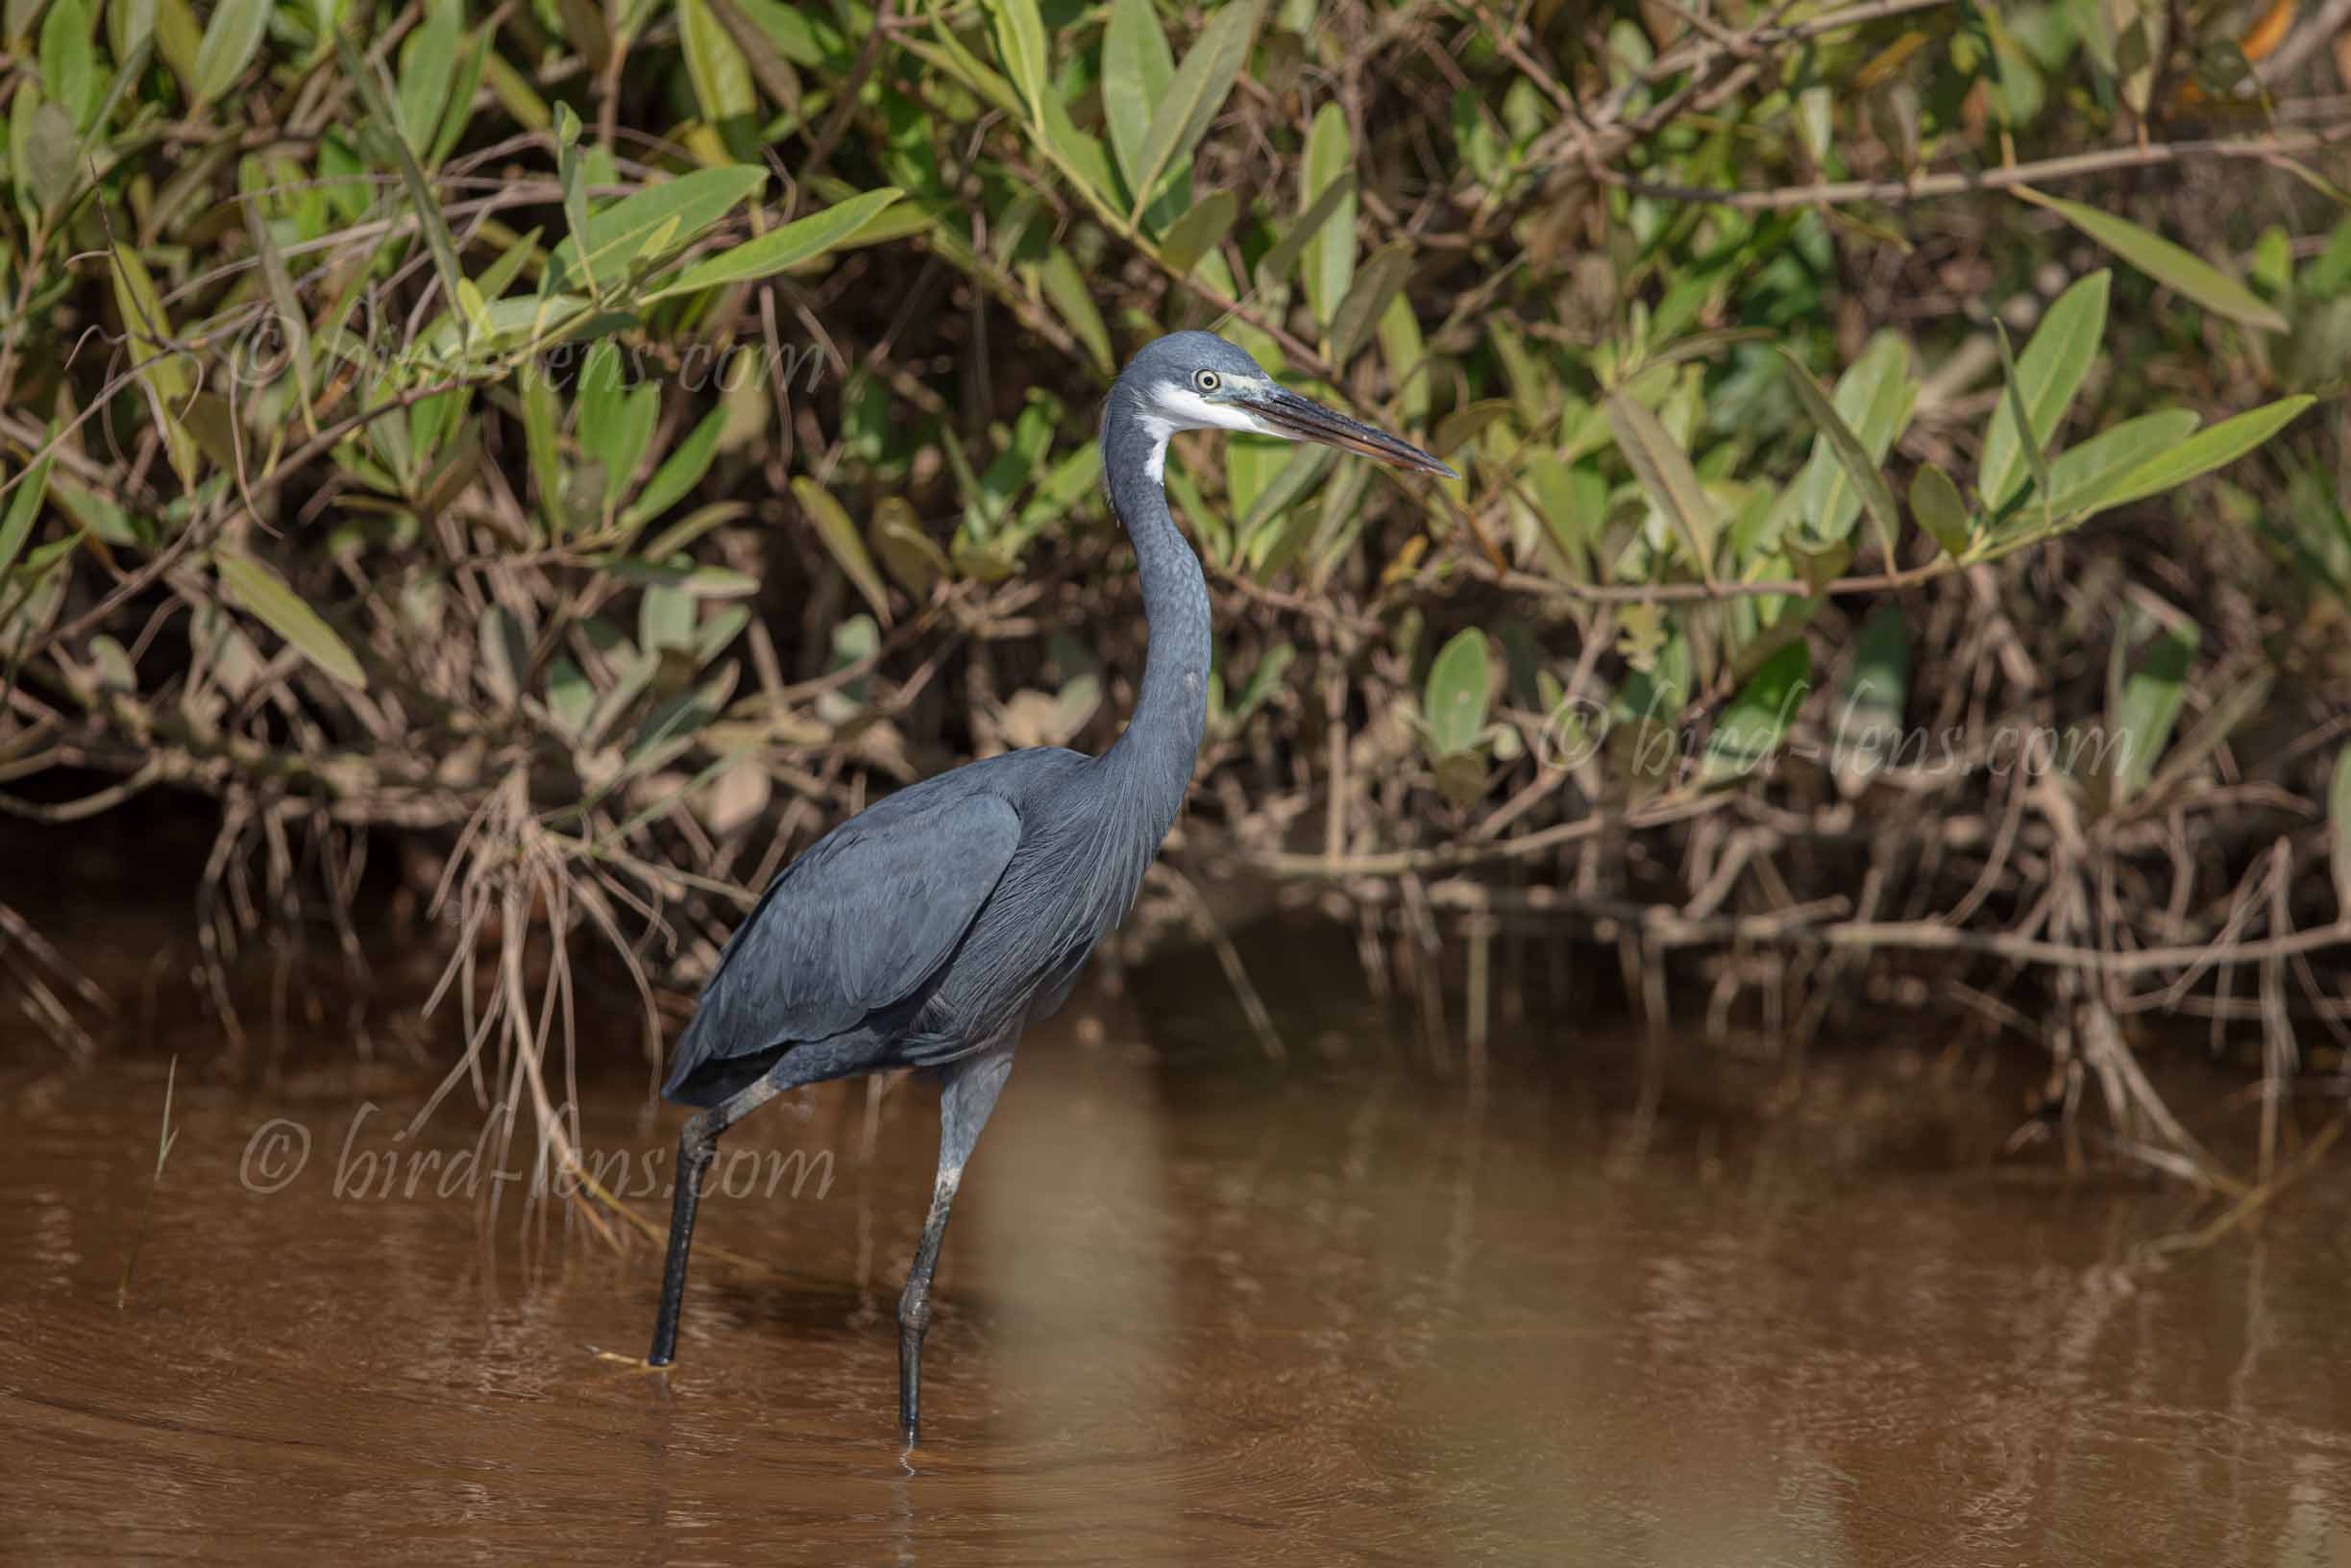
614, 440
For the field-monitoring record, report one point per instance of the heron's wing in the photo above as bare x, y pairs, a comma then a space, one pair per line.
857, 923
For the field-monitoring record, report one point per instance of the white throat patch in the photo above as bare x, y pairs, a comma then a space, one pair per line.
1184, 409
1180, 408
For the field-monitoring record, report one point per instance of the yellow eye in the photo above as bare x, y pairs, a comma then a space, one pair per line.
1207, 380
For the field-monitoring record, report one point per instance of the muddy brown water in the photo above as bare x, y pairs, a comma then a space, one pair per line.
1193, 1308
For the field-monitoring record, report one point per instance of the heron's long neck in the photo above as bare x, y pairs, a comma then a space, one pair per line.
1155, 756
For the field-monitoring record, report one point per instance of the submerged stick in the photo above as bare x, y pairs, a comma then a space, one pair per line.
165, 1137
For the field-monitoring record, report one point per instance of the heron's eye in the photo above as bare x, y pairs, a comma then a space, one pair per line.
1207, 380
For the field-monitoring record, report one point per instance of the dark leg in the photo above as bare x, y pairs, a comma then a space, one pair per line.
970, 1094
697, 1147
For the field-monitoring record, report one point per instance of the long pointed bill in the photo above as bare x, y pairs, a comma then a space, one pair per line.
1302, 419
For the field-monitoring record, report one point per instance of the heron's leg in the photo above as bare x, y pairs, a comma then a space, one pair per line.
697, 1145
963, 1104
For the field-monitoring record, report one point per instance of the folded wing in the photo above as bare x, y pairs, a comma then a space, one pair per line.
860, 922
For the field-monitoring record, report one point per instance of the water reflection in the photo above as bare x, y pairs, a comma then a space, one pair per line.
1195, 1308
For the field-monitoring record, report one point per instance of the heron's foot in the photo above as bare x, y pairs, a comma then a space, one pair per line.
633, 1363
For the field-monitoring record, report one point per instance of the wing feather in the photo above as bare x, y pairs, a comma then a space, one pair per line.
858, 924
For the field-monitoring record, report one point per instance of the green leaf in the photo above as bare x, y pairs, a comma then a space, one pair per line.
1815, 108
803, 37
1407, 357
584, 27
2201, 453
68, 62
1330, 252
469, 297
655, 245
1137, 68
1461, 776
1263, 682
1873, 397
1868, 725
669, 727
2149, 707
1072, 477
427, 66
720, 629
1572, 500
150, 328
2328, 274
570, 699
459, 113
2212, 729
1935, 502
693, 200
679, 472
177, 40
505, 652
2012, 394
721, 76
1081, 154
2339, 825
1020, 41
1756, 721
1377, 286
2166, 263
229, 39
794, 243
616, 420
161, 372
585, 495
1195, 94
600, 395
1250, 466
24, 505
293, 326
1074, 300
1665, 473
840, 536
1198, 231
1271, 547
908, 553
1453, 702
1859, 466
691, 527
2080, 472
570, 173
767, 63
1464, 425
1274, 267
44, 150
950, 55
683, 577
112, 662
130, 71
428, 216
261, 593
541, 413
2049, 372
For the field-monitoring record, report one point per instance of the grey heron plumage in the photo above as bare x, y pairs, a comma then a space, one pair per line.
930, 929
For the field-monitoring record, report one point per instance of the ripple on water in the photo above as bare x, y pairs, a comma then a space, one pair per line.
1210, 1314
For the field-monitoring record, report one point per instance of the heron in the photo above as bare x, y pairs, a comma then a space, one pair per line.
929, 930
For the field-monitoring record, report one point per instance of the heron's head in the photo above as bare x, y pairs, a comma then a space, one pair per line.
1198, 382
